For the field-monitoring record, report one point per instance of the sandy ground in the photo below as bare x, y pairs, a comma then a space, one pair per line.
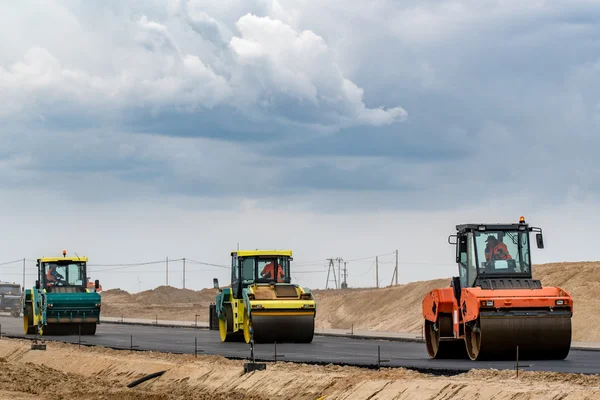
65, 371
395, 309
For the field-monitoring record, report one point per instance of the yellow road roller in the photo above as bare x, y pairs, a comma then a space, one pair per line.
262, 303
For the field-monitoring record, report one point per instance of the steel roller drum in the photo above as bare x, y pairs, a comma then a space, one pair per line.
69, 329
543, 337
282, 328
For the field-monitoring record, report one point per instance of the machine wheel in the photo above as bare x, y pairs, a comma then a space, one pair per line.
439, 339
247, 328
226, 327
473, 339
28, 321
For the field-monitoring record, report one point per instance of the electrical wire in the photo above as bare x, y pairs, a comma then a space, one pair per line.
11, 262
208, 264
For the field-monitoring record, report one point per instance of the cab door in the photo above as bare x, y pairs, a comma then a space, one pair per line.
235, 275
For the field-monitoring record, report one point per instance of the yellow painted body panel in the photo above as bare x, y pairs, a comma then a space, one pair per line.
238, 314
282, 304
56, 259
282, 313
254, 253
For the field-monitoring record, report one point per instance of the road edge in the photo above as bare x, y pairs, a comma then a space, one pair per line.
348, 335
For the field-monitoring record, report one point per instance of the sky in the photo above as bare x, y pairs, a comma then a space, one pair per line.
136, 131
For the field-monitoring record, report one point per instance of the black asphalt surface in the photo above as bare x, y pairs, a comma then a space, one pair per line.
323, 350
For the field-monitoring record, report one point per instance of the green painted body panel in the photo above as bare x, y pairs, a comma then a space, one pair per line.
66, 306
221, 299
63, 306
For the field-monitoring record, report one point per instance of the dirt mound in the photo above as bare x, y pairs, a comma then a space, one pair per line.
115, 292
164, 302
171, 295
582, 281
396, 309
399, 308
65, 371
387, 309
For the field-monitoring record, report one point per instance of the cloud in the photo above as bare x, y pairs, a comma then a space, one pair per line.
301, 74
288, 95
265, 70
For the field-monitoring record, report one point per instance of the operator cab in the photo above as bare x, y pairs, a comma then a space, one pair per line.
259, 267
63, 275
495, 256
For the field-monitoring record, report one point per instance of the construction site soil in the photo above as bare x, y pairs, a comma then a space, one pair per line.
66, 371
398, 307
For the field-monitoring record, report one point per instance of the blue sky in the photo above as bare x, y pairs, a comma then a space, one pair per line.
146, 129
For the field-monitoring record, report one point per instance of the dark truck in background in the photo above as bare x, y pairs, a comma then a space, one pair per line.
10, 298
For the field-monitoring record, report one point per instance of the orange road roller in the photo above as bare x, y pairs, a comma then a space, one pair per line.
494, 309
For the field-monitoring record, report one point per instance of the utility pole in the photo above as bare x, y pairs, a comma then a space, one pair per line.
339, 260
395, 275
396, 267
184, 272
330, 269
377, 270
23, 288
167, 271
345, 284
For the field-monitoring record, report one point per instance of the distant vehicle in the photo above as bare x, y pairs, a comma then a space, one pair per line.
10, 298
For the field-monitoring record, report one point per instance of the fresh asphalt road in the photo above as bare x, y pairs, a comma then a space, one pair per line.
336, 350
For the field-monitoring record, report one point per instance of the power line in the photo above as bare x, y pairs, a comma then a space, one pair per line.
209, 264
129, 264
322, 271
11, 262
366, 258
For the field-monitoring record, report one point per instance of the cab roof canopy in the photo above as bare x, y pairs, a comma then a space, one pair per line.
482, 227
491, 227
255, 253
67, 259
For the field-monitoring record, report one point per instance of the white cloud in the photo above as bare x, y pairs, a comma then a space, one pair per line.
260, 66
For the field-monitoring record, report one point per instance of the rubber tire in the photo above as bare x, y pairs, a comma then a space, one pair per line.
247, 326
230, 336
441, 344
28, 327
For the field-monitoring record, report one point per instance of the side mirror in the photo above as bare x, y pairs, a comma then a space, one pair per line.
452, 236
37, 284
216, 283
540, 240
97, 284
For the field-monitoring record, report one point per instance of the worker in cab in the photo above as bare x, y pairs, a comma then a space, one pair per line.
52, 276
496, 250
268, 273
